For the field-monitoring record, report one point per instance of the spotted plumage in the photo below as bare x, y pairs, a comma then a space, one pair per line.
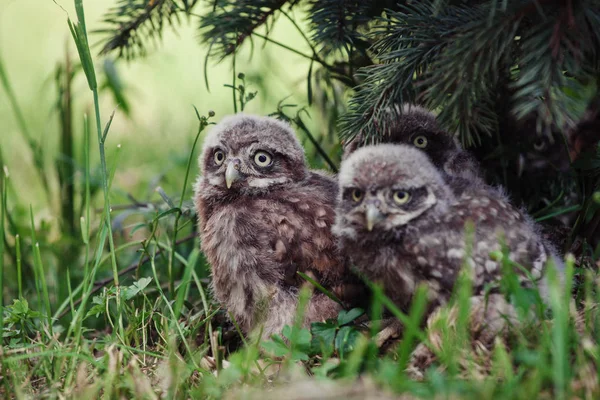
263, 216
402, 224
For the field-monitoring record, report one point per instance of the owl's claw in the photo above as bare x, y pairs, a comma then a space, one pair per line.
391, 330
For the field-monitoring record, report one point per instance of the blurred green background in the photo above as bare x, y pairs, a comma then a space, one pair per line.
160, 89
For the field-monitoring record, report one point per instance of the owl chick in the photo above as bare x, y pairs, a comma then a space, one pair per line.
402, 224
413, 125
263, 216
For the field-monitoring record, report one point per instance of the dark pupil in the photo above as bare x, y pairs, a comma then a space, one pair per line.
420, 140
219, 156
262, 158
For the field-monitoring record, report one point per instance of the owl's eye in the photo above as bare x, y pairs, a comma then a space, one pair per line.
219, 157
262, 159
539, 145
420, 142
401, 197
357, 195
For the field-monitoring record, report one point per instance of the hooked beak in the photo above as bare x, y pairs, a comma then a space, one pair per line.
373, 216
232, 173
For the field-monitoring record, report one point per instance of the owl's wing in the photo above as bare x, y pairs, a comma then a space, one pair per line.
498, 223
303, 229
437, 257
440, 254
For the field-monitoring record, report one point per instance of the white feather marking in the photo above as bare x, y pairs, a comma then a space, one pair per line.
216, 181
266, 182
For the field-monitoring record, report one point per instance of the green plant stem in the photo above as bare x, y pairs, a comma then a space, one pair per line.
19, 265
233, 87
79, 33
322, 152
203, 123
107, 221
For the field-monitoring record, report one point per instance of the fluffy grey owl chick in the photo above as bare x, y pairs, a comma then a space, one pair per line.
263, 216
402, 224
415, 126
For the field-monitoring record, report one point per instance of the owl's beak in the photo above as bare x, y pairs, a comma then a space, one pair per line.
232, 173
373, 215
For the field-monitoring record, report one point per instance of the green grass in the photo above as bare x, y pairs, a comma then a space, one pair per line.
121, 307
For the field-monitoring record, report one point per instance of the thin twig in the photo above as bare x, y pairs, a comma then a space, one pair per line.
322, 152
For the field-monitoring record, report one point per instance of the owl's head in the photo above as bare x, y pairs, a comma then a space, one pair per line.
414, 126
251, 154
385, 188
538, 153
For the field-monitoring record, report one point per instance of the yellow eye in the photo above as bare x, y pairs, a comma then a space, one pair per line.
357, 195
262, 159
401, 197
219, 157
420, 142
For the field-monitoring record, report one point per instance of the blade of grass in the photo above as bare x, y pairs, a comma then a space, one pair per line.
396, 312
76, 324
79, 33
70, 293
560, 340
3, 190
417, 311
99, 284
168, 305
36, 276
213, 347
376, 315
459, 341
184, 287
319, 287
559, 212
37, 261
33, 145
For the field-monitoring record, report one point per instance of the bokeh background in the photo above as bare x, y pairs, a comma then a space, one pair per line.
160, 90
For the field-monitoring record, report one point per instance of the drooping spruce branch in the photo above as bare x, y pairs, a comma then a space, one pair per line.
231, 22
132, 24
451, 59
336, 24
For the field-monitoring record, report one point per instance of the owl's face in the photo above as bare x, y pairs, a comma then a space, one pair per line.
250, 154
437, 144
416, 127
538, 153
385, 188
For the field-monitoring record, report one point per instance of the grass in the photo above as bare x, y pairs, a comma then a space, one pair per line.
87, 320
